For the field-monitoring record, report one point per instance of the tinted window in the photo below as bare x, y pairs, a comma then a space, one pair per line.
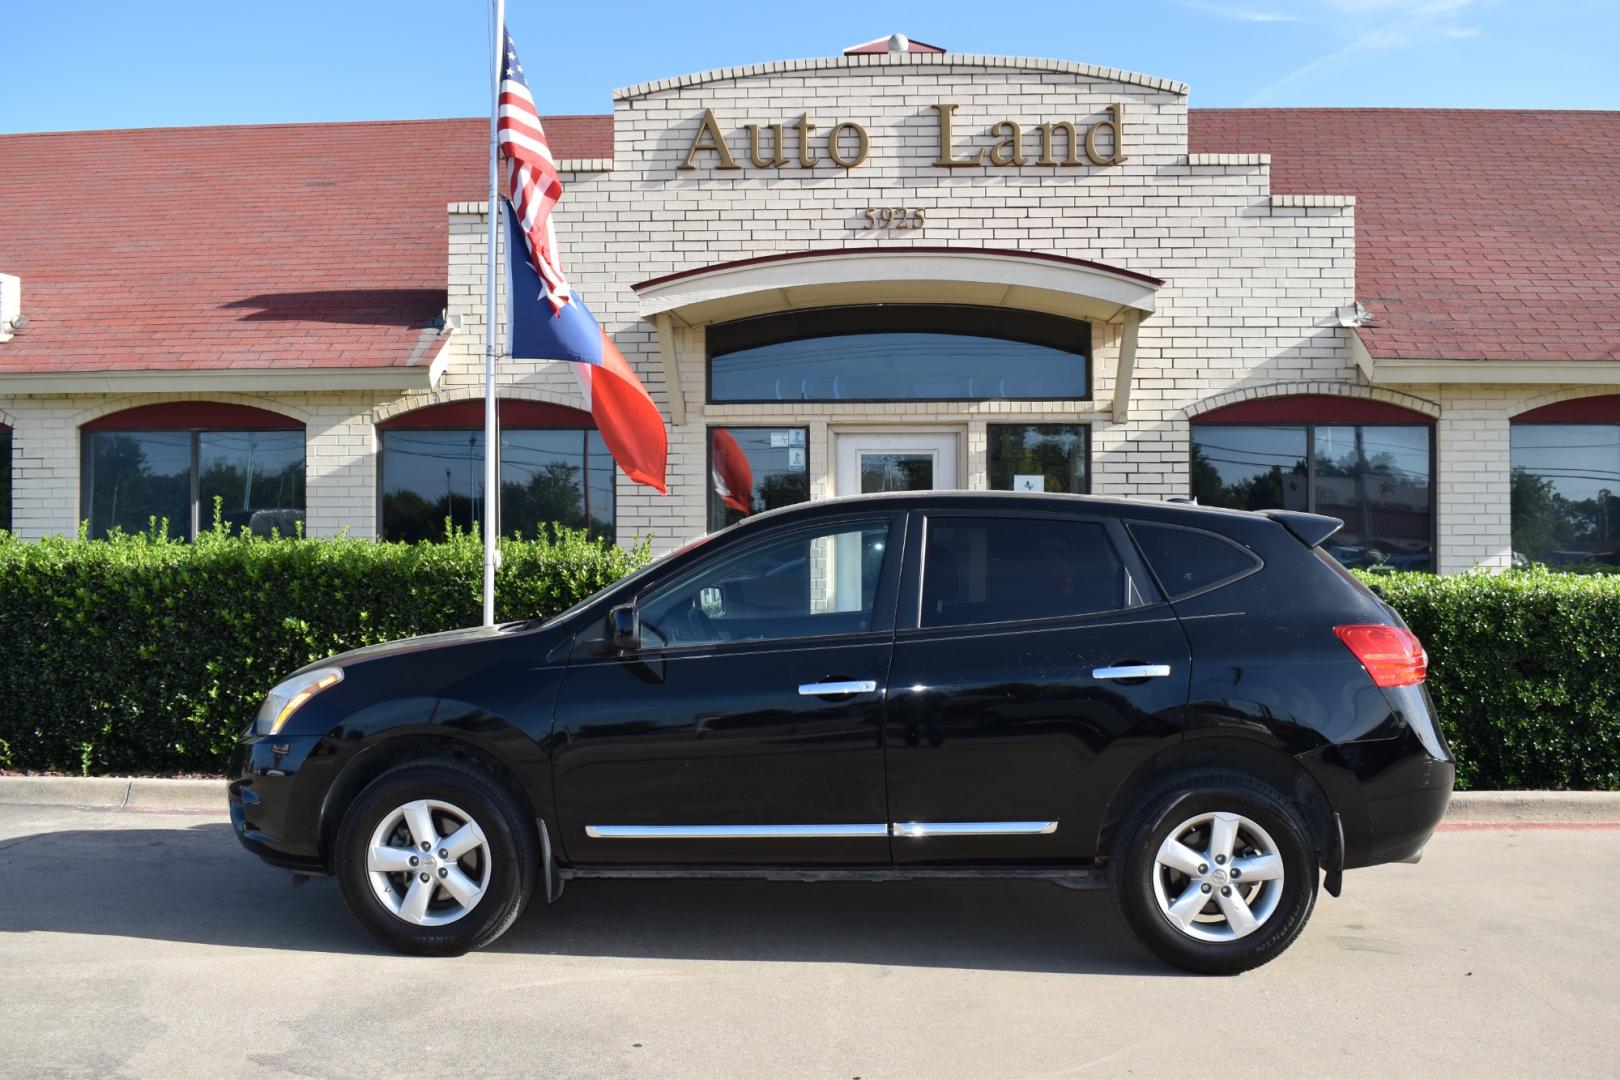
813, 583
1186, 560
5, 479
985, 570
899, 352
755, 469
1566, 495
560, 476
257, 476
1375, 477
1038, 457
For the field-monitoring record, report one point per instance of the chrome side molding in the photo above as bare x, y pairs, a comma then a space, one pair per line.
908, 829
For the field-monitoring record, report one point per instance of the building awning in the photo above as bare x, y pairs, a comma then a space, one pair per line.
986, 277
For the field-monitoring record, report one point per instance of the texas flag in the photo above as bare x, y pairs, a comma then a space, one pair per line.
733, 477
628, 420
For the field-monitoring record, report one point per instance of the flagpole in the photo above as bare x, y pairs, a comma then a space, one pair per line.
492, 438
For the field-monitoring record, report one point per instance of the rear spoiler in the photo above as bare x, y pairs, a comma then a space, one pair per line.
1308, 529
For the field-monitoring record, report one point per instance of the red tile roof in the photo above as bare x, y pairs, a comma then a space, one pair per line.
1480, 234
1490, 235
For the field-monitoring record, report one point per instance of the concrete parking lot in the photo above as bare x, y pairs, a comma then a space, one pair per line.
148, 944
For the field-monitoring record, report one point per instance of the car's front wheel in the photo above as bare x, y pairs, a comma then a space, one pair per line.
1215, 872
437, 858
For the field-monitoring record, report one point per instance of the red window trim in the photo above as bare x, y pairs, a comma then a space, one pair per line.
515, 414
1596, 409
1313, 409
194, 416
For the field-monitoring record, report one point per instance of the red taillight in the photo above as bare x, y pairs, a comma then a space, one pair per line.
1391, 655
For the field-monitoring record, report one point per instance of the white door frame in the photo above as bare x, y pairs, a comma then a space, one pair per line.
944, 445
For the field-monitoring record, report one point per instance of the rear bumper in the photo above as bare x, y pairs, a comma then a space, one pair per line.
1390, 795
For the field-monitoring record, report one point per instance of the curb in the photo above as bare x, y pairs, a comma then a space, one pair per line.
114, 792
149, 793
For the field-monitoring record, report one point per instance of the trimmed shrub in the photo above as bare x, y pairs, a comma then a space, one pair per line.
147, 655
1524, 668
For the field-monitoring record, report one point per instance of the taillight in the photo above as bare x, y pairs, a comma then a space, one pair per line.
1391, 655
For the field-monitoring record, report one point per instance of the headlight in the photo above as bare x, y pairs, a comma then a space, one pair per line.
289, 696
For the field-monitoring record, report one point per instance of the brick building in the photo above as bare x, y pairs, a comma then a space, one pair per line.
879, 270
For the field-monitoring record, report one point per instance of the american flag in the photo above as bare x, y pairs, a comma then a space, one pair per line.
531, 175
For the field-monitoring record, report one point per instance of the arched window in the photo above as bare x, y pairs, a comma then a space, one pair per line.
1367, 462
555, 469
172, 462
5, 478
900, 352
1566, 484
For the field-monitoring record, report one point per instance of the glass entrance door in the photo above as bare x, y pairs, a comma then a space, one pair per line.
873, 463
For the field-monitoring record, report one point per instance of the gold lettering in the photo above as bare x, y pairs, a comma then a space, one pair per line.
862, 142
1010, 150
753, 146
1116, 124
1072, 151
807, 155
945, 159
717, 142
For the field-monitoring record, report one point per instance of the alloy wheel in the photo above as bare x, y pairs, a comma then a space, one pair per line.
429, 862
1218, 877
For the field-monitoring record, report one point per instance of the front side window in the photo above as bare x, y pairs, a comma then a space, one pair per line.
987, 570
811, 584
435, 476
899, 352
1566, 495
1375, 477
134, 478
755, 469
1039, 457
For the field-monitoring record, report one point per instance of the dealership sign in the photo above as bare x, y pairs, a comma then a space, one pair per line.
845, 145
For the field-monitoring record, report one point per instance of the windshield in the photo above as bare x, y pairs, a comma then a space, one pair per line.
659, 560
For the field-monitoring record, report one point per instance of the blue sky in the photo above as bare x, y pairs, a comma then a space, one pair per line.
95, 64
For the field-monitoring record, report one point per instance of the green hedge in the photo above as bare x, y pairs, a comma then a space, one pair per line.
1524, 668
146, 655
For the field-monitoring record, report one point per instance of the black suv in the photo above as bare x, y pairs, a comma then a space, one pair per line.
1196, 708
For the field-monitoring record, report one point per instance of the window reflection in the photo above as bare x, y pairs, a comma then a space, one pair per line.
1375, 477
137, 478
755, 469
5, 480
258, 476
1054, 453
562, 476
1566, 495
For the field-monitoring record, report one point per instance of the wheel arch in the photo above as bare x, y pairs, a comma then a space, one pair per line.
1246, 755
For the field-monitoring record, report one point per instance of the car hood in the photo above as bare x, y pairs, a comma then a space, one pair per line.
424, 643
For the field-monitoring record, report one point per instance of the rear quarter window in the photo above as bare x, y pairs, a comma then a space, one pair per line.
1187, 561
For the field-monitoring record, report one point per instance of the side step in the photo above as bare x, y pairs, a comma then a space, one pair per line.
1070, 877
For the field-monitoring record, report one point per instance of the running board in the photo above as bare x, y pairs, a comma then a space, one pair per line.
1070, 877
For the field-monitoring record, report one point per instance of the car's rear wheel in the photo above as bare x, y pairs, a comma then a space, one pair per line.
437, 858
1215, 872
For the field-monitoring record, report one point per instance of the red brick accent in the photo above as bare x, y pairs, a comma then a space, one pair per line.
1312, 409
514, 413
193, 415
1598, 409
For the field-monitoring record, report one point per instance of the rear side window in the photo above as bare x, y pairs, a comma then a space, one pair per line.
985, 570
1188, 560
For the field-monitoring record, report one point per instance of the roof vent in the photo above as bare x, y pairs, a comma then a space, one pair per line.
11, 316
893, 45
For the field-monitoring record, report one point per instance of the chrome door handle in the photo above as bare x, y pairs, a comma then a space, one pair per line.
1131, 671
852, 686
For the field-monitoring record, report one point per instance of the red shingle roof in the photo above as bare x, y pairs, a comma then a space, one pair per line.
1480, 234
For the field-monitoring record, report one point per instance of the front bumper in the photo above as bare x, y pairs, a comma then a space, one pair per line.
275, 799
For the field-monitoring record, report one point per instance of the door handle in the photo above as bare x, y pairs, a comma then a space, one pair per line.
1131, 671
848, 686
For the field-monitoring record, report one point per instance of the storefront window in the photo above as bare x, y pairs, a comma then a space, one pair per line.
755, 469
1376, 477
1039, 457
5, 478
433, 476
899, 352
140, 471
1566, 495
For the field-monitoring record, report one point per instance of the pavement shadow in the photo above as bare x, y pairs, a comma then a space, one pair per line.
195, 884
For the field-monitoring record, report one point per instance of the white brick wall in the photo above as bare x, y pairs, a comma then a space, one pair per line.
1253, 282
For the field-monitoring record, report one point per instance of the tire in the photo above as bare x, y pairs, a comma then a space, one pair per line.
1164, 904
386, 893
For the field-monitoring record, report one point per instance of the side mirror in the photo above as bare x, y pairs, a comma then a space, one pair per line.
624, 623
